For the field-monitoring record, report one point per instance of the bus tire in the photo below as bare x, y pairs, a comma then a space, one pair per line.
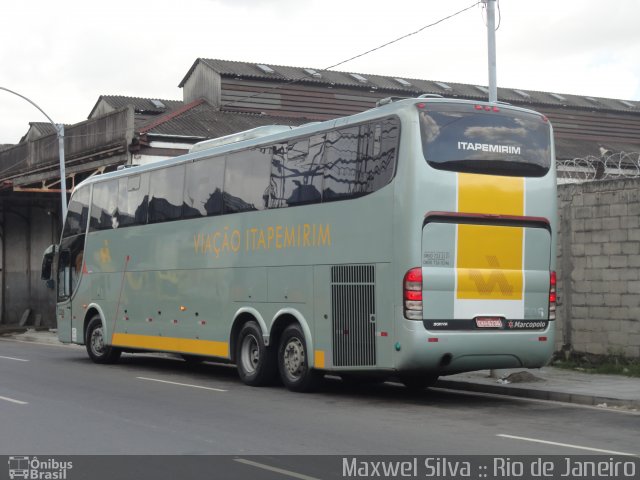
255, 362
97, 349
417, 383
293, 361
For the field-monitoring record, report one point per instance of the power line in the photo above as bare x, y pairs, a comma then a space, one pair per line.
277, 87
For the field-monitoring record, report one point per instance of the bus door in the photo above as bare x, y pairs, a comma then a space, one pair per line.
69, 272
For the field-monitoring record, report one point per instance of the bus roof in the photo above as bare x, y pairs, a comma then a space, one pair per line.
279, 133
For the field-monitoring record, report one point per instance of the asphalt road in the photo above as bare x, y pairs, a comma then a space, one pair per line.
53, 399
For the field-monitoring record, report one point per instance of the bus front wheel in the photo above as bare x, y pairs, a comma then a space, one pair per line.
255, 362
97, 347
293, 361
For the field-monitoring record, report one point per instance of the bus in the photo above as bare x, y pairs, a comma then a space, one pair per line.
410, 241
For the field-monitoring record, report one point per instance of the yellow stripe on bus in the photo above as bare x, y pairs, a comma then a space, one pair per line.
170, 344
318, 359
489, 258
489, 194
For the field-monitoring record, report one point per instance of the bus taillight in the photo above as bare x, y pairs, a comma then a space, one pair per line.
552, 296
412, 294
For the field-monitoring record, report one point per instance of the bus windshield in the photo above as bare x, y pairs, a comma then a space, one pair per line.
490, 140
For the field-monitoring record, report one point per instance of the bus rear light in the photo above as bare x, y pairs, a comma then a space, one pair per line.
433, 340
552, 296
542, 339
412, 294
487, 108
421, 105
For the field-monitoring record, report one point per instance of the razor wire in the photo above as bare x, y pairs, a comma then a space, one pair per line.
606, 167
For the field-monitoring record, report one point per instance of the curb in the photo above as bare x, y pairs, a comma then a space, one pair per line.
9, 330
30, 335
537, 394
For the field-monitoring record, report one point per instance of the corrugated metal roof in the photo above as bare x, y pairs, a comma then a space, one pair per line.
228, 68
140, 105
42, 130
205, 121
45, 128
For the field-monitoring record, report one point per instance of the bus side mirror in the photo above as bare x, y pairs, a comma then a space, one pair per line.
47, 265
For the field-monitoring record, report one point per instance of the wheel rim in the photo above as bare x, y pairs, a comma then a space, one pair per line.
294, 359
250, 354
97, 342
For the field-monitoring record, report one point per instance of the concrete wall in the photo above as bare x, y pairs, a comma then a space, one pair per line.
599, 268
26, 231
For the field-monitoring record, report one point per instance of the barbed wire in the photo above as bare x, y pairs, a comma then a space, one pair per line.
606, 167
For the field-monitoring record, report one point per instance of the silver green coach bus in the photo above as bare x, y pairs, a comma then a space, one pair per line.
412, 240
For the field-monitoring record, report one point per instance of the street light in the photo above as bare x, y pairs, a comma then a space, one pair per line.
60, 132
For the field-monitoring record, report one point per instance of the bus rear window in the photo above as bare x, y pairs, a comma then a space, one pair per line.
461, 138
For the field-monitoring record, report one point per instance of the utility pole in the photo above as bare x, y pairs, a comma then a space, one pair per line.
493, 82
60, 133
491, 44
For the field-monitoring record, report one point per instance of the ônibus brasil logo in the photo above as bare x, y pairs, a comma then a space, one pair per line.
38, 469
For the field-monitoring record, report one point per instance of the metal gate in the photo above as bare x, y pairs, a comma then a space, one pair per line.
353, 309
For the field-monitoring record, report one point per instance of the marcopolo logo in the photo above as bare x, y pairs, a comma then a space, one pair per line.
515, 324
38, 469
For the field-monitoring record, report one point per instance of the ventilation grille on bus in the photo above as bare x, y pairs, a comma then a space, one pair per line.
353, 315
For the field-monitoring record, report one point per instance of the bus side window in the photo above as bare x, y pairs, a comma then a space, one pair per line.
166, 194
246, 180
296, 173
203, 188
133, 195
341, 164
388, 150
104, 211
77, 213
378, 155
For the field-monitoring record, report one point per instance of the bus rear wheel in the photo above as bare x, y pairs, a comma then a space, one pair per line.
97, 347
293, 361
255, 362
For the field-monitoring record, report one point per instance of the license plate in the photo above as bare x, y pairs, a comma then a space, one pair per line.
488, 322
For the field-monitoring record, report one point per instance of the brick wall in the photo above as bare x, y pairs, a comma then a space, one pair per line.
599, 268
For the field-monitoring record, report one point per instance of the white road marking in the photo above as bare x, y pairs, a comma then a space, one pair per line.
182, 384
275, 469
13, 400
568, 445
14, 358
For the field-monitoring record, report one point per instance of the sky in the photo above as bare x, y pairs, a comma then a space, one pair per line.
63, 55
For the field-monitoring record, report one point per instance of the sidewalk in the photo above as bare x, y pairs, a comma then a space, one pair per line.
546, 383
549, 383
39, 335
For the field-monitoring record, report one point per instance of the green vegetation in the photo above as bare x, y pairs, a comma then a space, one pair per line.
607, 364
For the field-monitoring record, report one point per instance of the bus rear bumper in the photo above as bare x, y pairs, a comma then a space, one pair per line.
448, 352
